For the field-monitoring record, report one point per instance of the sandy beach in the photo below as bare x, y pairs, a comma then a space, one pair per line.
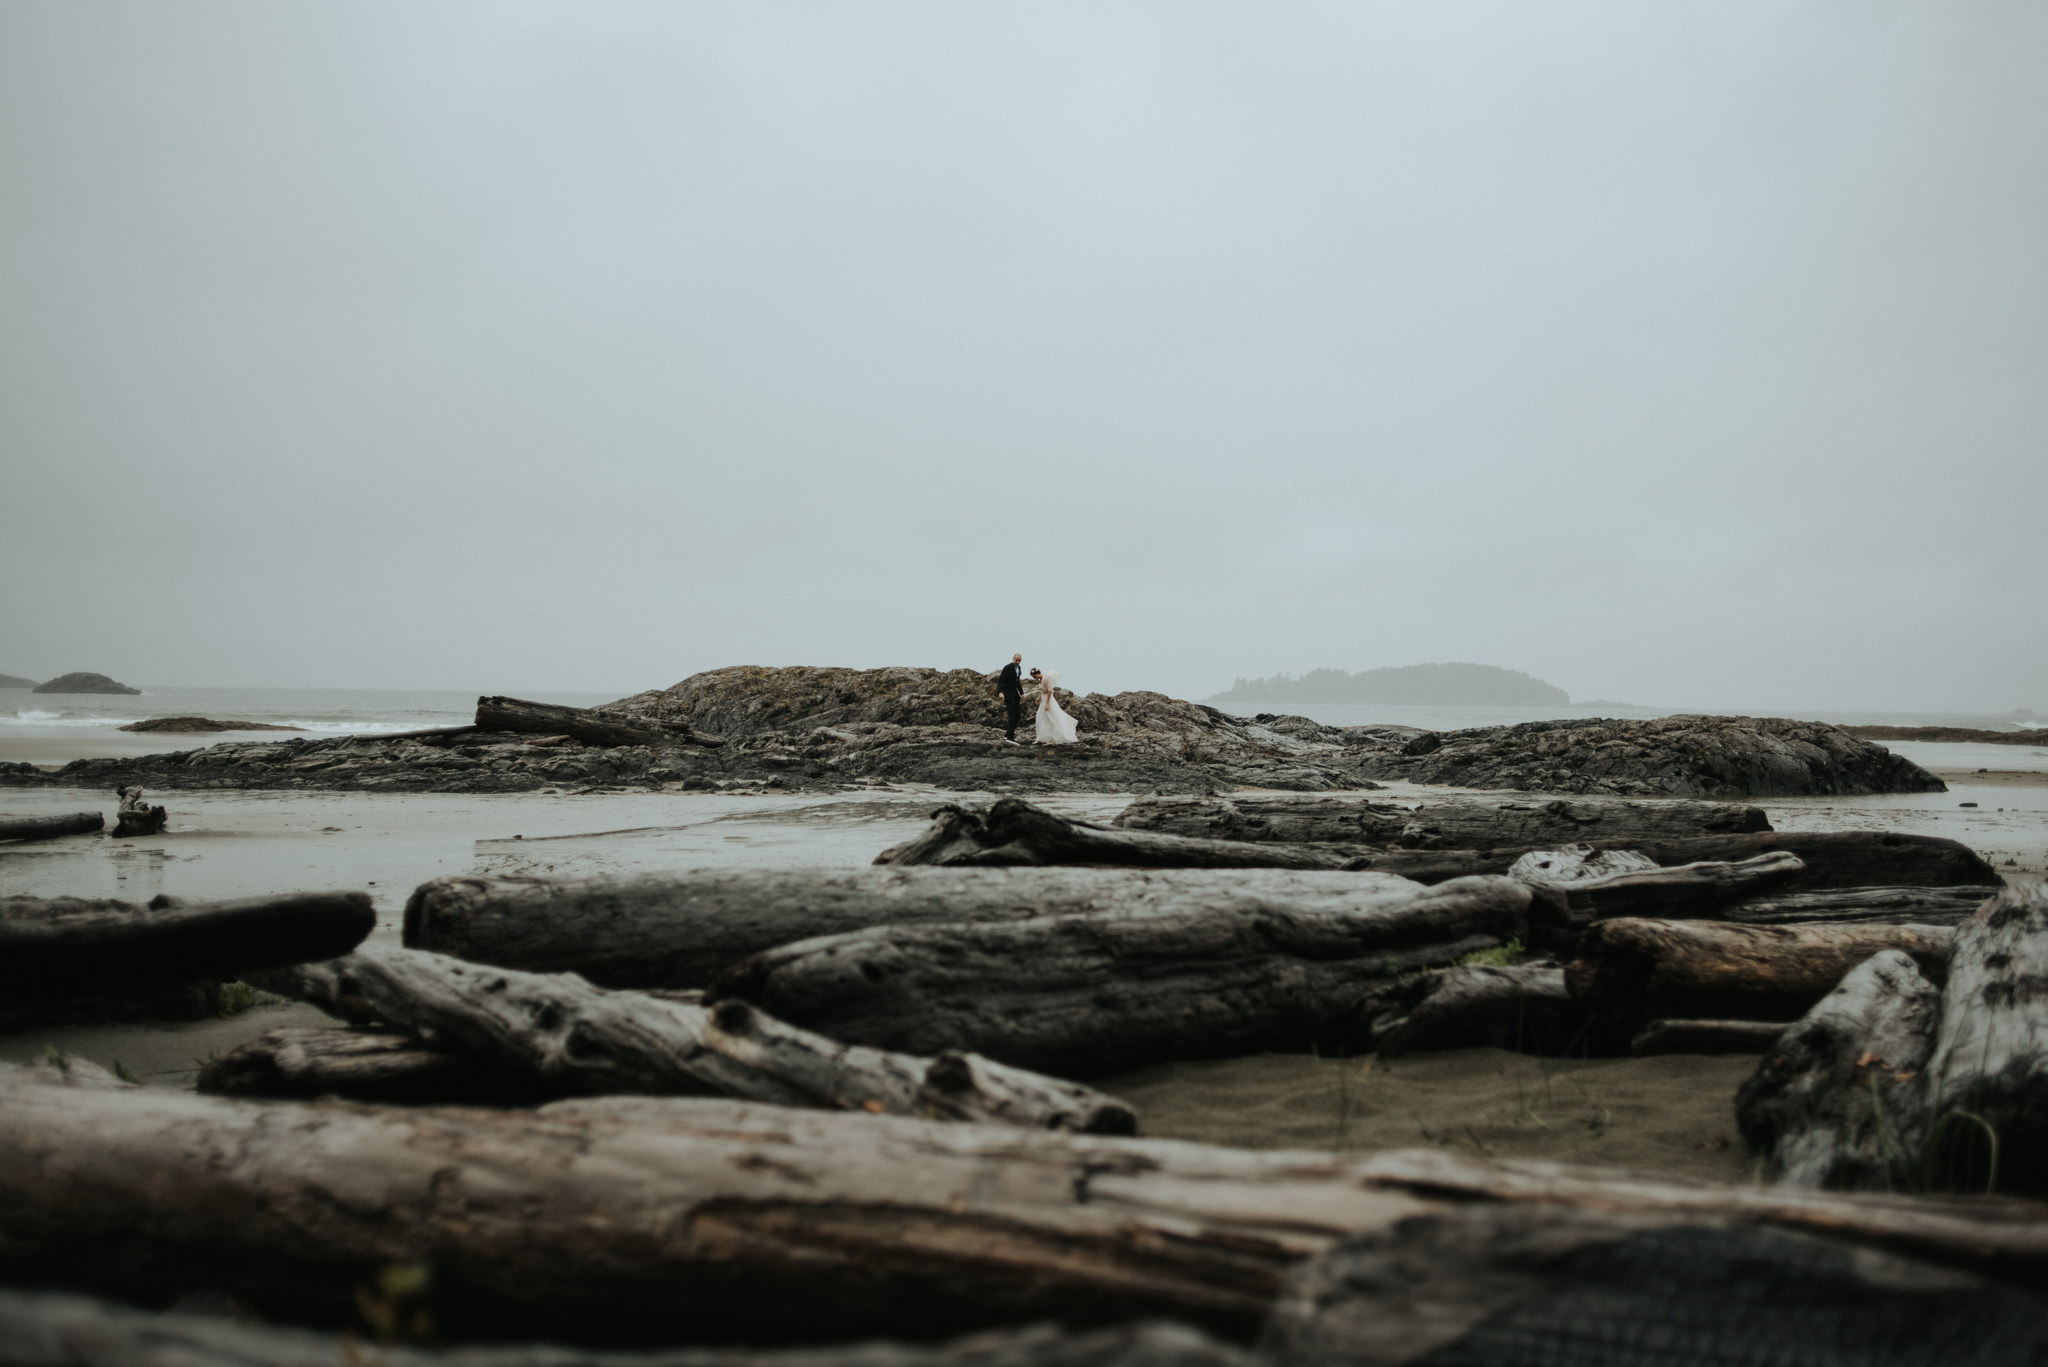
1672, 1114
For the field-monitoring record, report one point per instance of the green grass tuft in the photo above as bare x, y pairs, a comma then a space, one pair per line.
1500, 956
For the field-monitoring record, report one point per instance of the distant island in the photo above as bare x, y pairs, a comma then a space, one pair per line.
1438, 684
10, 681
83, 683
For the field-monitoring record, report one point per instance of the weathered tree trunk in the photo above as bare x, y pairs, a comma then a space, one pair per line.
646, 1219
1837, 1100
1524, 1008
592, 728
1593, 890
363, 1065
137, 817
1631, 971
1014, 833
50, 1329
65, 947
566, 1035
50, 827
1988, 1074
1535, 1287
1707, 1037
1859, 906
1464, 824
1080, 996
682, 930
1833, 859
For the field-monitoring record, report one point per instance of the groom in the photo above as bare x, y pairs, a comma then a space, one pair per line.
1010, 685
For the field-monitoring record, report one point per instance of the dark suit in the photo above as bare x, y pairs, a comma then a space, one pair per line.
1010, 684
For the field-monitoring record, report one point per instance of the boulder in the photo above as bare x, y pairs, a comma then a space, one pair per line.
202, 725
1690, 756
83, 683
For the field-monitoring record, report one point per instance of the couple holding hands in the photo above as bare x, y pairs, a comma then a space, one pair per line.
1055, 727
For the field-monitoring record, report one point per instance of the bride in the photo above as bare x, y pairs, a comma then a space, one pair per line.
1055, 727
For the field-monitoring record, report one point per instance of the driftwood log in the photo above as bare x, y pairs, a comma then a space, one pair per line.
50, 827
682, 930
51, 1329
574, 1039
1990, 1058
1710, 1037
1523, 1007
1833, 859
1632, 971
592, 728
1868, 906
1013, 833
1598, 885
363, 1065
1892, 1082
1450, 825
651, 1219
54, 949
1079, 996
137, 817
1504, 1286
1837, 1100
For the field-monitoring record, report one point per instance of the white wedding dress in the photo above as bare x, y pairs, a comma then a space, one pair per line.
1055, 727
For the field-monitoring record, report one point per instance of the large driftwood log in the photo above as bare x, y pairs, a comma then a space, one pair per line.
1080, 996
1836, 1101
1463, 824
1988, 1074
53, 949
51, 1329
592, 728
1634, 970
572, 1038
1833, 859
1598, 885
682, 930
1852, 906
363, 1065
1518, 1287
50, 827
1013, 833
657, 1219
1524, 1007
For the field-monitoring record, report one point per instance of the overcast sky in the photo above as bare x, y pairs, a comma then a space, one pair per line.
1686, 354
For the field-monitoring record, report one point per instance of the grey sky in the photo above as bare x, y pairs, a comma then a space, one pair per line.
1686, 354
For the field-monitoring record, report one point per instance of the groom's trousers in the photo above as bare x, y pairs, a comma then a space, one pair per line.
1013, 704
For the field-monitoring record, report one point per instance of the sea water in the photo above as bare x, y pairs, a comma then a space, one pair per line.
90, 722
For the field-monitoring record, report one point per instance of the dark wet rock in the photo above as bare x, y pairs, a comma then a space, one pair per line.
83, 683
829, 729
1659, 757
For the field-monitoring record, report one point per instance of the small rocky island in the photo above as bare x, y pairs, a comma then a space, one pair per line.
202, 725
79, 682
824, 730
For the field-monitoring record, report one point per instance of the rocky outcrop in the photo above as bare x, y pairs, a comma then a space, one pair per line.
83, 683
831, 729
201, 725
1660, 757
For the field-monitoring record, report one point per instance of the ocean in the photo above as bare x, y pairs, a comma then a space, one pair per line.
43, 728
